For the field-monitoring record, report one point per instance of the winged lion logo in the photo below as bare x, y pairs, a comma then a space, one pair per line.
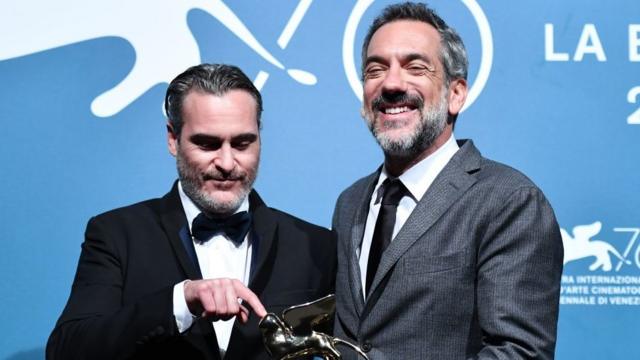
581, 245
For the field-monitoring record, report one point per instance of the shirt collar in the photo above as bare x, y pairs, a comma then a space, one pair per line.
191, 210
420, 176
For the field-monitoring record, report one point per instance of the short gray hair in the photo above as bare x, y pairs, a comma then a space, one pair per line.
453, 55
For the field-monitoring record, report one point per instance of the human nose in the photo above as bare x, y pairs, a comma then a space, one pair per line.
394, 80
224, 159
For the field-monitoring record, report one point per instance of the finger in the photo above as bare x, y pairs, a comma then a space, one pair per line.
203, 296
247, 295
233, 306
219, 290
243, 313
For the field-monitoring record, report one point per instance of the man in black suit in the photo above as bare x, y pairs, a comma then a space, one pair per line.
168, 278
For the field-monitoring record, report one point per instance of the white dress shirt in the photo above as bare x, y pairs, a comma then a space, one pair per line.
417, 180
218, 257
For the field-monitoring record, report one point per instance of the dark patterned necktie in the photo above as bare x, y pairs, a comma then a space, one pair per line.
235, 227
393, 190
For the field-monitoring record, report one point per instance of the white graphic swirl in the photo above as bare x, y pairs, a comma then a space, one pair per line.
157, 30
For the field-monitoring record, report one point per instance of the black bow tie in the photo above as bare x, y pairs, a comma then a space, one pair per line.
235, 227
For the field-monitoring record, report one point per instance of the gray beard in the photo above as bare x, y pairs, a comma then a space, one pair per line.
190, 179
431, 125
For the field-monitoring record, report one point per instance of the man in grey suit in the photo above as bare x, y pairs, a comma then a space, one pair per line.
442, 253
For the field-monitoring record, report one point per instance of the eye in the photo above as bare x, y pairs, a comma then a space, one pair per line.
209, 146
243, 145
205, 142
417, 69
373, 72
243, 142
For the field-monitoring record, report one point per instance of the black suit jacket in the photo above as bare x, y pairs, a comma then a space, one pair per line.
121, 305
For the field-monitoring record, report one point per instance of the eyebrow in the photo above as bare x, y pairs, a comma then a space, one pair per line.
374, 58
405, 58
204, 138
245, 137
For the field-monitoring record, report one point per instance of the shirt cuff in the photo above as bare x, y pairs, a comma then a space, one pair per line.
184, 318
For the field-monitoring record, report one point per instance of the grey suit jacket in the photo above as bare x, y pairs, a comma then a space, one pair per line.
474, 273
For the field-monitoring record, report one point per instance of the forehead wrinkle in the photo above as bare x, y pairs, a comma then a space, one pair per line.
417, 56
404, 58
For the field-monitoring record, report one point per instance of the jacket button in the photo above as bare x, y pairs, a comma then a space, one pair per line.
366, 346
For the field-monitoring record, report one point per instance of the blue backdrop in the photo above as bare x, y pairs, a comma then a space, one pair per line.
555, 93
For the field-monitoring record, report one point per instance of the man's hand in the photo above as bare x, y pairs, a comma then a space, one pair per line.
217, 299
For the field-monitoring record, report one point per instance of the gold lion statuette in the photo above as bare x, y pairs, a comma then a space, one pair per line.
294, 336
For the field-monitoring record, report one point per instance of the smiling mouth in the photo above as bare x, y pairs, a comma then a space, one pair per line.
397, 103
396, 110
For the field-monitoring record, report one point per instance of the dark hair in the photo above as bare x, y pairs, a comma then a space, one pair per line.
453, 55
216, 79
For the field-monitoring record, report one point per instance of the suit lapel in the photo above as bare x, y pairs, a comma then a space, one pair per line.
174, 222
263, 232
452, 182
357, 233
